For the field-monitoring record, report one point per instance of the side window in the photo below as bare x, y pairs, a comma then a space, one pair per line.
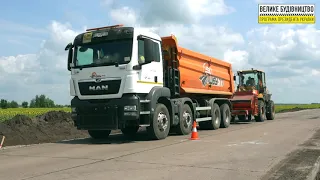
141, 51
140, 48
156, 49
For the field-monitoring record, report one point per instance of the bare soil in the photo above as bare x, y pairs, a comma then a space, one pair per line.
49, 127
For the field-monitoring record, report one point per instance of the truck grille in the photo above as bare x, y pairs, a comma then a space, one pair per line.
100, 88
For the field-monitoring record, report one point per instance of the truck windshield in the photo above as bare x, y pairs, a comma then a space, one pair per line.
103, 54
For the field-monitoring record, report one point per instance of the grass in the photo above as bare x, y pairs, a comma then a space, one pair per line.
6, 114
295, 107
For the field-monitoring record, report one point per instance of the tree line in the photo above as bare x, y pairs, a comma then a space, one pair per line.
40, 101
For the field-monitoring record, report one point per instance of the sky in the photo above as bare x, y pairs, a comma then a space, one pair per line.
34, 34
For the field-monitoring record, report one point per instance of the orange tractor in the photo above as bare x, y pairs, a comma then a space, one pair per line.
252, 97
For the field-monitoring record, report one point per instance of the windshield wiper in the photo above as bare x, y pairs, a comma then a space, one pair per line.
98, 64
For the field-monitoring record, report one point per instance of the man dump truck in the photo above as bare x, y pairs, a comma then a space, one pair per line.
252, 97
126, 78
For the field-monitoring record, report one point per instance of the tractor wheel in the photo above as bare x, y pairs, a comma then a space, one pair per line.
270, 111
262, 112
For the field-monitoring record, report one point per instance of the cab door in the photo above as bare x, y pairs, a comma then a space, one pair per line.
151, 73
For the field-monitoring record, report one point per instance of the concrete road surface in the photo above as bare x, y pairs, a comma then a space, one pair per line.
242, 151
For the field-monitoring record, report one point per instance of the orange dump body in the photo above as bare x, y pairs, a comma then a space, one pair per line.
200, 74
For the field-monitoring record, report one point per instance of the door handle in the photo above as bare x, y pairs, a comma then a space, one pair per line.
156, 79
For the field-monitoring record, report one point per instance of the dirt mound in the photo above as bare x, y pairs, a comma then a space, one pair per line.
49, 127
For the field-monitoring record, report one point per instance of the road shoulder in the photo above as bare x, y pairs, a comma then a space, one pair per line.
301, 164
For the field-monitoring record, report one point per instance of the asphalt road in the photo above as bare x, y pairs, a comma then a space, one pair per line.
242, 151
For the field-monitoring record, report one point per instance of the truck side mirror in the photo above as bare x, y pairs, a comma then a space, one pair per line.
148, 51
70, 45
70, 58
69, 48
234, 78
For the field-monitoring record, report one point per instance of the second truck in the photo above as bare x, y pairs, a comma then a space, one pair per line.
125, 78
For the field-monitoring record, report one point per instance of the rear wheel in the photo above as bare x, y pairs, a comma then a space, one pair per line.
215, 117
160, 125
270, 110
185, 125
99, 134
261, 112
225, 116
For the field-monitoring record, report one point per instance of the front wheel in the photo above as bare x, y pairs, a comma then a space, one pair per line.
99, 134
261, 112
160, 125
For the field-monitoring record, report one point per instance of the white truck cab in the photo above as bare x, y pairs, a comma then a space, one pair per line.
116, 72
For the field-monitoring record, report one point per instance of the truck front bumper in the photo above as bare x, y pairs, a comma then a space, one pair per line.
109, 114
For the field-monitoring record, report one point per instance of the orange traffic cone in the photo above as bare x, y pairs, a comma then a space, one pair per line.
194, 134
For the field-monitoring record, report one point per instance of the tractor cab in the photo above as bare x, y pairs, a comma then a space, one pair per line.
251, 80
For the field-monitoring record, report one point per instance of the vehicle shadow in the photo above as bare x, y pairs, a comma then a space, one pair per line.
119, 138
114, 138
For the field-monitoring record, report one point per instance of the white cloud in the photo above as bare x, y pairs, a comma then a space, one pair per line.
24, 76
290, 56
154, 13
124, 15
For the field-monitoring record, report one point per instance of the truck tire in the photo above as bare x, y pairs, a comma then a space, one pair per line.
261, 112
160, 124
215, 117
270, 110
185, 125
99, 134
225, 116
130, 131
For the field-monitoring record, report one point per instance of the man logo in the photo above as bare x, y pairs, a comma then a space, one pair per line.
98, 88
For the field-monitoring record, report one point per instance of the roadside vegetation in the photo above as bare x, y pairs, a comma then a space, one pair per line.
9, 113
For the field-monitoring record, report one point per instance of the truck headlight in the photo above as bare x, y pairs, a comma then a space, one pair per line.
130, 108
73, 109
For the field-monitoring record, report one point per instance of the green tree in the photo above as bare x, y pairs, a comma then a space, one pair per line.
3, 103
13, 104
24, 104
42, 102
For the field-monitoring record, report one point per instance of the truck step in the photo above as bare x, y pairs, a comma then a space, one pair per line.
203, 119
144, 101
203, 108
144, 112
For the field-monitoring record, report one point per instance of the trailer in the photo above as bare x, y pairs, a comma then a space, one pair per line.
126, 77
